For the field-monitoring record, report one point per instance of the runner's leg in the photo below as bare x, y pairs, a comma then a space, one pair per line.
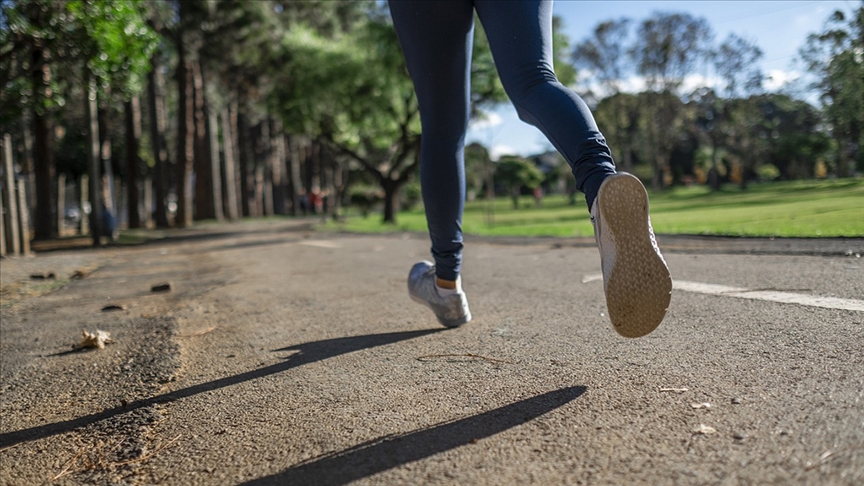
520, 35
436, 38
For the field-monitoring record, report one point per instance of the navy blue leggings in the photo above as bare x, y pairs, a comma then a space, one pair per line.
436, 38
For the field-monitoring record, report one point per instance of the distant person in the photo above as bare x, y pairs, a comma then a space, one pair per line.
436, 38
537, 193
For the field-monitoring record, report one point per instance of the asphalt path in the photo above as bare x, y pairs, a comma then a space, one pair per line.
286, 356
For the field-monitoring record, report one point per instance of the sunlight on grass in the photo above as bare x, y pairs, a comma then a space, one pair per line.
799, 209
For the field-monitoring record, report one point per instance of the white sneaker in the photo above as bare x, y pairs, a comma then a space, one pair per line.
451, 310
635, 277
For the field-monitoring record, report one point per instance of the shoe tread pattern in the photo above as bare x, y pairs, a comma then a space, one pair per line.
639, 287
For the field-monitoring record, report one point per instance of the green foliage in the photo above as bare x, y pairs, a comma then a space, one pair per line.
768, 172
668, 47
785, 209
618, 117
353, 88
31, 32
411, 195
736, 62
116, 42
515, 173
564, 70
45, 43
836, 57
478, 168
486, 88
603, 54
365, 197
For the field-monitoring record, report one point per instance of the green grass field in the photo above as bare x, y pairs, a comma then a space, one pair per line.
792, 209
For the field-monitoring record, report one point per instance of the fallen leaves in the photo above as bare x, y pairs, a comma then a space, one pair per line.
96, 339
162, 287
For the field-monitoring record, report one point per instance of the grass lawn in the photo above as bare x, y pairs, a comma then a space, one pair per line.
798, 208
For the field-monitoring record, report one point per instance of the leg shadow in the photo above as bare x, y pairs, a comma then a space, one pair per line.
379, 455
306, 353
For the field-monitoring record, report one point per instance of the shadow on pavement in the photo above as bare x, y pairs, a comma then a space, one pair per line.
364, 460
306, 353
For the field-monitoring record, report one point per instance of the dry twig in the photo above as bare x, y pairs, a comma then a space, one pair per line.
428, 357
198, 333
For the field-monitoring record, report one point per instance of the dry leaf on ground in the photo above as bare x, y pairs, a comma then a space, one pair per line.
96, 339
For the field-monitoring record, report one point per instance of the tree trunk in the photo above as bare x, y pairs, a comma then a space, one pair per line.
713, 173
277, 144
11, 213
626, 158
313, 167
260, 210
231, 201
843, 164
204, 206
132, 109
265, 170
215, 166
148, 202
340, 179
109, 199
185, 138
295, 180
329, 190
42, 155
61, 202
83, 201
657, 176
155, 98
93, 155
247, 172
391, 200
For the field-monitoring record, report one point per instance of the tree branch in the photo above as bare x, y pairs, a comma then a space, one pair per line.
367, 165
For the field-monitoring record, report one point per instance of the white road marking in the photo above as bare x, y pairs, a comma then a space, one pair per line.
769, 295
321, 243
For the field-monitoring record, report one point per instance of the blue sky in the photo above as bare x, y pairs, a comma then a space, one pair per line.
779, 28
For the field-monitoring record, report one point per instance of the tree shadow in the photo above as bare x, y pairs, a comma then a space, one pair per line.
372, 457
306, 353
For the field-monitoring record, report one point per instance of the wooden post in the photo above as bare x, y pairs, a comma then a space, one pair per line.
24, 217
11, 203
61, 202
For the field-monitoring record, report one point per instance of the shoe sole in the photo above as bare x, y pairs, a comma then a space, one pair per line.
444, 322
639, 288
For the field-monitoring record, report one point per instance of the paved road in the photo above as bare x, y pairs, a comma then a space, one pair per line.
283, 356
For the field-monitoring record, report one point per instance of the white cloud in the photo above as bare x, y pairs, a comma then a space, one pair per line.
497, 151
778, 78
634, 84
638, 84
693, 81
489, 120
